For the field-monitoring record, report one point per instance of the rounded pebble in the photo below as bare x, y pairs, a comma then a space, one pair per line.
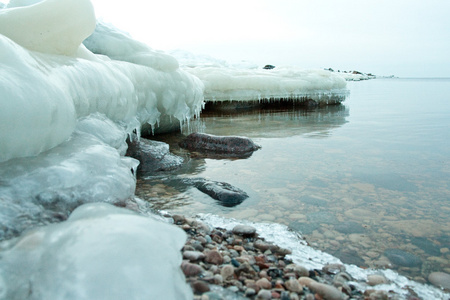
440, 279
374, 279
264, 283
227, 271
214, 257
244, 230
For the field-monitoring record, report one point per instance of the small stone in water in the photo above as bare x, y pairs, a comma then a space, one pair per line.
440, 279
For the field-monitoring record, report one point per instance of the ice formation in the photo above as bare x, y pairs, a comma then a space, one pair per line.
245, 82
100, 252
46, 87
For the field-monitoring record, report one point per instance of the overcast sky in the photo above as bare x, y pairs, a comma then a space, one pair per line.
407, 38
401, 37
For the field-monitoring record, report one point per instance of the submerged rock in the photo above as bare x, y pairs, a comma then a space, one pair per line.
153, 156
230, 146
402, 258
440, 279
227, 194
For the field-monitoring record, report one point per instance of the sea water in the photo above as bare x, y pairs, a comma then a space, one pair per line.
366, 181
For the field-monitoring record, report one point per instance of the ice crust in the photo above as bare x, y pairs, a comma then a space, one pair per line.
310, 258
44, 94
244, 81
100, 252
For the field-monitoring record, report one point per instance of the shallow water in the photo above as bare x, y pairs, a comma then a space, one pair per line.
366, 181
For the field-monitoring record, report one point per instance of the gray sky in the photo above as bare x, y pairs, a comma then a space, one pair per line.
407, 38
401, 37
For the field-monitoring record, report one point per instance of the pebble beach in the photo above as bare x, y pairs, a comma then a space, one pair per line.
238, 264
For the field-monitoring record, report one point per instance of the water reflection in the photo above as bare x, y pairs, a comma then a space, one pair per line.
272, 122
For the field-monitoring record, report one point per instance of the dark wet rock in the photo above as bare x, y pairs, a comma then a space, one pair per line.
227, 194
228, 146
244, 230
349, 227
153, 156
402, 258
269, 67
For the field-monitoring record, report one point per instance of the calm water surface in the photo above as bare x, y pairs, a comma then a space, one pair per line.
367, 181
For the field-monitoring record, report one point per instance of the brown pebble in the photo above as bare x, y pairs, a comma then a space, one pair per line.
200, 287
293, 285
190, 269
264, 283
178, 219
276, 295
214, 257
324, 290
227, 271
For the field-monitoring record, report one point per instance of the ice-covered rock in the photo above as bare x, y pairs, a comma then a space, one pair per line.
100, 252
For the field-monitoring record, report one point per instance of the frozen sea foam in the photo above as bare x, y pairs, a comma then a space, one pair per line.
100, 252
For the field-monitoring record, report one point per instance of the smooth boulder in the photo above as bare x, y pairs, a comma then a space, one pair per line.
233, 146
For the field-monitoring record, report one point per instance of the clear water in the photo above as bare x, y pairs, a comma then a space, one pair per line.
357, 180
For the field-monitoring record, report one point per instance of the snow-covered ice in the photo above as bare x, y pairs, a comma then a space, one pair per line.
246, 82
100, 252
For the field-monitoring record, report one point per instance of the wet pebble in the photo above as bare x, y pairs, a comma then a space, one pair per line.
264, 295
190, 269
200, 287
374, 279
440, 279
264, 283
293, 285
193, 255
214, 257
324, 290
227, 271
244, 230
